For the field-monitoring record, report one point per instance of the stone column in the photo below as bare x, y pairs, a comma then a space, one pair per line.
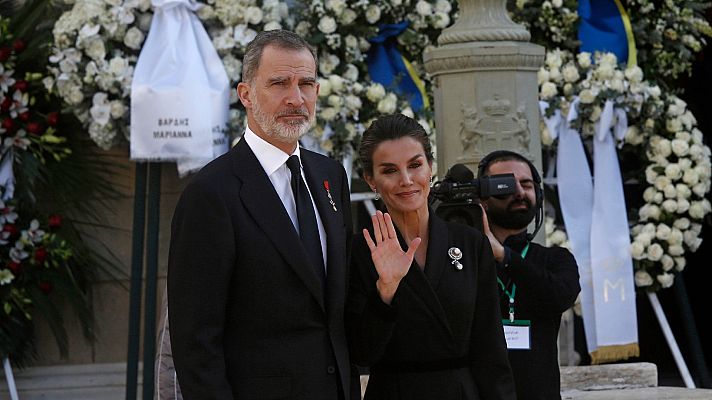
486, 93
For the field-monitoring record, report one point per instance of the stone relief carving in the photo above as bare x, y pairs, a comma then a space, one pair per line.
497, 126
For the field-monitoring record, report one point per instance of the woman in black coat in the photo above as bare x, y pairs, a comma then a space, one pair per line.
425, 321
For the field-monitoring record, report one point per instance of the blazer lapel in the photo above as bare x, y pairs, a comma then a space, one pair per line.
424, 283
262, 202
332, 219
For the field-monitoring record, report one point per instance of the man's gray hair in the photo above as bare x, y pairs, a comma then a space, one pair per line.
280, 38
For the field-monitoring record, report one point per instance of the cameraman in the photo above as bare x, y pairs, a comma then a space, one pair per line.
536, 284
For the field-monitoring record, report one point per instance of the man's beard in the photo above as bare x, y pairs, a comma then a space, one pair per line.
509, 218
284, 132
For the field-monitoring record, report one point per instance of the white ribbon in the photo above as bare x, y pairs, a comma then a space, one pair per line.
180, 91
597, 226
611, 262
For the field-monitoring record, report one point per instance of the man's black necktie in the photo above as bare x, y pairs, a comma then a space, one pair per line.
308, 230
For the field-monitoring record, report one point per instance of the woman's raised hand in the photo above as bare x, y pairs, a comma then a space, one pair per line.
392, 263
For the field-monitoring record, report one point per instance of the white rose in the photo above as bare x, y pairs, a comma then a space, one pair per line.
682, 206
100, 113
617, 85
555, 74
272, 26
375, 92
692, 240
650, 174
443, 6
667, 262
337, 83
680, 263
553, 59
373, 14
363, 44
570, 73
649, 211
334, 101
654, 91
637, 250
665, 279
542, 75
681, 223
645, 238
388, 104
353, 102
673, 172
609, 59
643, 279
118, 66
441, 20
584, 59
649, 194
670, 192
133, 38
329, 113
337, 6
691, 177
700, 189
650, 228
327, 24
663, 232
587, 96
96, 50
673, 125
118, 109
348, 17
683, 191
604, 71
633, 136
663, 148
302, 28
557, 3
676, 237
683, 135
548, 90
634, 74
351, 42
328, 63
697, 211
408, 112
680, 147
661, 182
253, 15
670, 205
351, 73
424, 8
324, 87
676, 250
655, 252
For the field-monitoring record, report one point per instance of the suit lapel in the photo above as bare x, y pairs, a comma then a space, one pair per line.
262, 202
316, 176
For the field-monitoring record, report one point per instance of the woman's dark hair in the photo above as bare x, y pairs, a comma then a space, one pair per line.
391, 127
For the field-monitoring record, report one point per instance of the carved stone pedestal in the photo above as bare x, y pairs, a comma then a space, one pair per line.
486, 98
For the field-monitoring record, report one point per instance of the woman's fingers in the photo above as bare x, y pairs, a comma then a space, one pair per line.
376, 228
414, 244
389, 226
369, 241
382, 225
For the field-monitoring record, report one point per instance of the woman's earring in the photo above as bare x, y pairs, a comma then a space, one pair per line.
378, 195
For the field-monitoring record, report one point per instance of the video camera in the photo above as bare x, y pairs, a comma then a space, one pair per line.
456, 197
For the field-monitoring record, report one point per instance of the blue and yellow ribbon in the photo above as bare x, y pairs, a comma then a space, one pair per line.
605, 26
387, 66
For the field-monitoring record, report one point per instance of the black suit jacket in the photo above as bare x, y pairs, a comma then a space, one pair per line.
249, 318
442, 336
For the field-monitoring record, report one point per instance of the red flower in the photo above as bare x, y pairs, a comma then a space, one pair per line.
11, 230
9, 125
45, 286
55, 221
5, 53
326, 185
53, 118
21, 85
14, 267
35, 128
19, 45
24, 116
40, 256
6, 103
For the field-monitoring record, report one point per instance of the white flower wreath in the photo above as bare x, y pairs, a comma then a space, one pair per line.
676, 163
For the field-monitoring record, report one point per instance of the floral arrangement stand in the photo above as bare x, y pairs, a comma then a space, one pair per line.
10, 379
670, 338
146, 217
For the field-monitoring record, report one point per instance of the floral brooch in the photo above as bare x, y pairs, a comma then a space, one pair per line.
455, 254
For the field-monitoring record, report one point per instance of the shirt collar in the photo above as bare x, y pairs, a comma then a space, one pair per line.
270, 157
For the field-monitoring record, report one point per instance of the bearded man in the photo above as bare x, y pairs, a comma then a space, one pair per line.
261, 236
537, 284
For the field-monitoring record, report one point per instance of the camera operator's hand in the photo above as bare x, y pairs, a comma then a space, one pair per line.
497, 248
391, 262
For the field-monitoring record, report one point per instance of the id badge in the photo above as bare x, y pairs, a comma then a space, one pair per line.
517, 334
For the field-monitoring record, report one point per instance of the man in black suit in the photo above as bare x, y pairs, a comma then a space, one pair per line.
256, 277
